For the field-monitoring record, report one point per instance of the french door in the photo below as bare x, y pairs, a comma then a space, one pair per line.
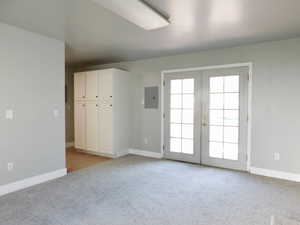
224, 122
182, 117
206, 117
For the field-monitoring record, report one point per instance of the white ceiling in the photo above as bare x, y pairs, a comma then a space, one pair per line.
95, 35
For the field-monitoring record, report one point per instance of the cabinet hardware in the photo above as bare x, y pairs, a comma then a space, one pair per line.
96, 96
110, 96
111, 105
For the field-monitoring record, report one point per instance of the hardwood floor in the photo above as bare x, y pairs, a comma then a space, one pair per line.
77, 160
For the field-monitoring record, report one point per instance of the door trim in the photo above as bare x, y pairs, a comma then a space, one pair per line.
249, 112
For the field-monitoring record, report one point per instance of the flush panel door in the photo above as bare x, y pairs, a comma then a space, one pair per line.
80, 125
80, 86
105, 129
91, 126
106, 111
92, 85
106, 86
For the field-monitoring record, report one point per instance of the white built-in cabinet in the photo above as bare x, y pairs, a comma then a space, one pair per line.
102, 111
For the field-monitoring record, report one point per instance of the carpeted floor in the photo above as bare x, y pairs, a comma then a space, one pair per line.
139, 191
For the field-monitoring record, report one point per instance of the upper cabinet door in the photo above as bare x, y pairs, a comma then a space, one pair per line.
105, 85
92, 85
80, 86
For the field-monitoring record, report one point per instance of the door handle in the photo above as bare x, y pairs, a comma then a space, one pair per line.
204, 120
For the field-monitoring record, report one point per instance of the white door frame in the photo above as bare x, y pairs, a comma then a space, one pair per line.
249, 127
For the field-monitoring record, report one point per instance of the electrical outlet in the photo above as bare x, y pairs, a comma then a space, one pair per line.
10, 166
276, 156
9, 114
56, 113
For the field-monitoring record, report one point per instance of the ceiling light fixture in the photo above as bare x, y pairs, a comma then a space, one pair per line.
137, 12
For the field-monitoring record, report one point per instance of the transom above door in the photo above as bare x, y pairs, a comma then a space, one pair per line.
205, 117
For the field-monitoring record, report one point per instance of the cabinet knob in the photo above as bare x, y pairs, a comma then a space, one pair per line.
110, 96
97, 96
110, 105
83, 96
96, 105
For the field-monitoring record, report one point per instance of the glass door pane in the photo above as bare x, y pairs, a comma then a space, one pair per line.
182, 101
224, 117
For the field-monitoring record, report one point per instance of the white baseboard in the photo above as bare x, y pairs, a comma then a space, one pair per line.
155, 155
19, 185
69, 144
124, 153
97, 153
275, 174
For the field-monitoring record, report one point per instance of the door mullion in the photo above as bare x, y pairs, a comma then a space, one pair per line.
181, 114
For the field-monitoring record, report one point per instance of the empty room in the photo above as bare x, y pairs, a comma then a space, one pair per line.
149, 112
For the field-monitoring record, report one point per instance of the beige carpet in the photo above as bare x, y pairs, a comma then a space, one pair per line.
139, 191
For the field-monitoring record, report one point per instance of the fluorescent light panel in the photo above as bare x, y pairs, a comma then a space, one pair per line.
136, 12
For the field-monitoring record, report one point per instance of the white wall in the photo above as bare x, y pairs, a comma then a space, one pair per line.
276, 91
32, 84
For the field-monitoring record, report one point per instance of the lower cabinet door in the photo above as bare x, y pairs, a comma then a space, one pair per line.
105, 130
92, 126
80, 125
